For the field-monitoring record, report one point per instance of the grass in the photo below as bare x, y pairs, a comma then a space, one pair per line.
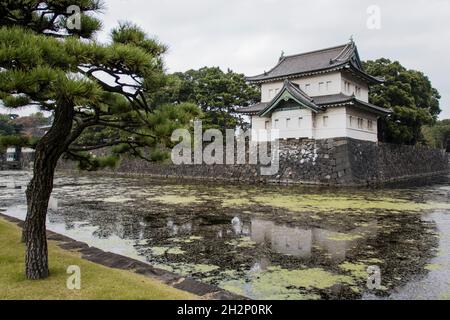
97, 282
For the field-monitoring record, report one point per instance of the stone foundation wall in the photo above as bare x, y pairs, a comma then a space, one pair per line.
341, 161
372, 163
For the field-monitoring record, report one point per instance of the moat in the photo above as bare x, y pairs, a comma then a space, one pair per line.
262, 242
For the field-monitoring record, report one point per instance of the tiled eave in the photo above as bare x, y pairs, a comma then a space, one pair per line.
348, 67
297, 75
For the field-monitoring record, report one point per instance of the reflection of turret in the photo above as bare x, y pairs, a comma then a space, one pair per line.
299, 242
286, 240
236, 224
175, 229
53, 204
261, 265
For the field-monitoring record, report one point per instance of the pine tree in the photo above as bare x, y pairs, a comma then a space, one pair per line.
48, 59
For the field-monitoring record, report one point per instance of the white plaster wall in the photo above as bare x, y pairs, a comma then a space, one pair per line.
364, 133
333, 79
259, 123
270, 90
364, 93
336, 125
341, 122
296, 128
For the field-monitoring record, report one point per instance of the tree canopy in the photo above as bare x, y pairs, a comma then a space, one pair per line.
7, 125
15, 133
438, 135
45, 71
48, 61
411, 97
218, 94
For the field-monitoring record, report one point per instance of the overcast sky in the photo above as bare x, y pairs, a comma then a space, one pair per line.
249, 35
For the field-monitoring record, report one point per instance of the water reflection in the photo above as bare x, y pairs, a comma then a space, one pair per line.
212, 242
300, 242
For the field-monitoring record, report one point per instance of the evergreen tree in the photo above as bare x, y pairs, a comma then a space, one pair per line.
411, 97
7, 125
218, 94
438, 135
48, 59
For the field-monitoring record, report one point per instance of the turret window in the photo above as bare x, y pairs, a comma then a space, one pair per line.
347, 86
360, 123
307, 87
321, 86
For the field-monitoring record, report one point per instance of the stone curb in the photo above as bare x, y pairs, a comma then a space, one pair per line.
116, 261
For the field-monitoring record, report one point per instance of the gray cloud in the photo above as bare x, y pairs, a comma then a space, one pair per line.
248, 35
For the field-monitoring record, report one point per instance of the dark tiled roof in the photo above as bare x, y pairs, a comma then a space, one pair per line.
332, 99
340, 99
324, 102
370, 107
324, 60
253, 109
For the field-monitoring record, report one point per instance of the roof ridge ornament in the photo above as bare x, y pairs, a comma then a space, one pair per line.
281, 56
315, 62
350, 45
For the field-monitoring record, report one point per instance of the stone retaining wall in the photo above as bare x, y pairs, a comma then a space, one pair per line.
340, 161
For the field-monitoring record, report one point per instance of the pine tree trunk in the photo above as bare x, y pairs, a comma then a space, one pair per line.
34, 232
48, 151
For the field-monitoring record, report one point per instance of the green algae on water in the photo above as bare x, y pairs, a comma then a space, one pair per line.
344, 237
160, 251
433, 267
176, 199
186, 269
279, 283
244, 242
304, 278
357, 270
307, 203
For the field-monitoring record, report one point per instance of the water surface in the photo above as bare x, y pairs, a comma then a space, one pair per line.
263, 242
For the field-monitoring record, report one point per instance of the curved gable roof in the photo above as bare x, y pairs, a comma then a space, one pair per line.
325, 60
290, 91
